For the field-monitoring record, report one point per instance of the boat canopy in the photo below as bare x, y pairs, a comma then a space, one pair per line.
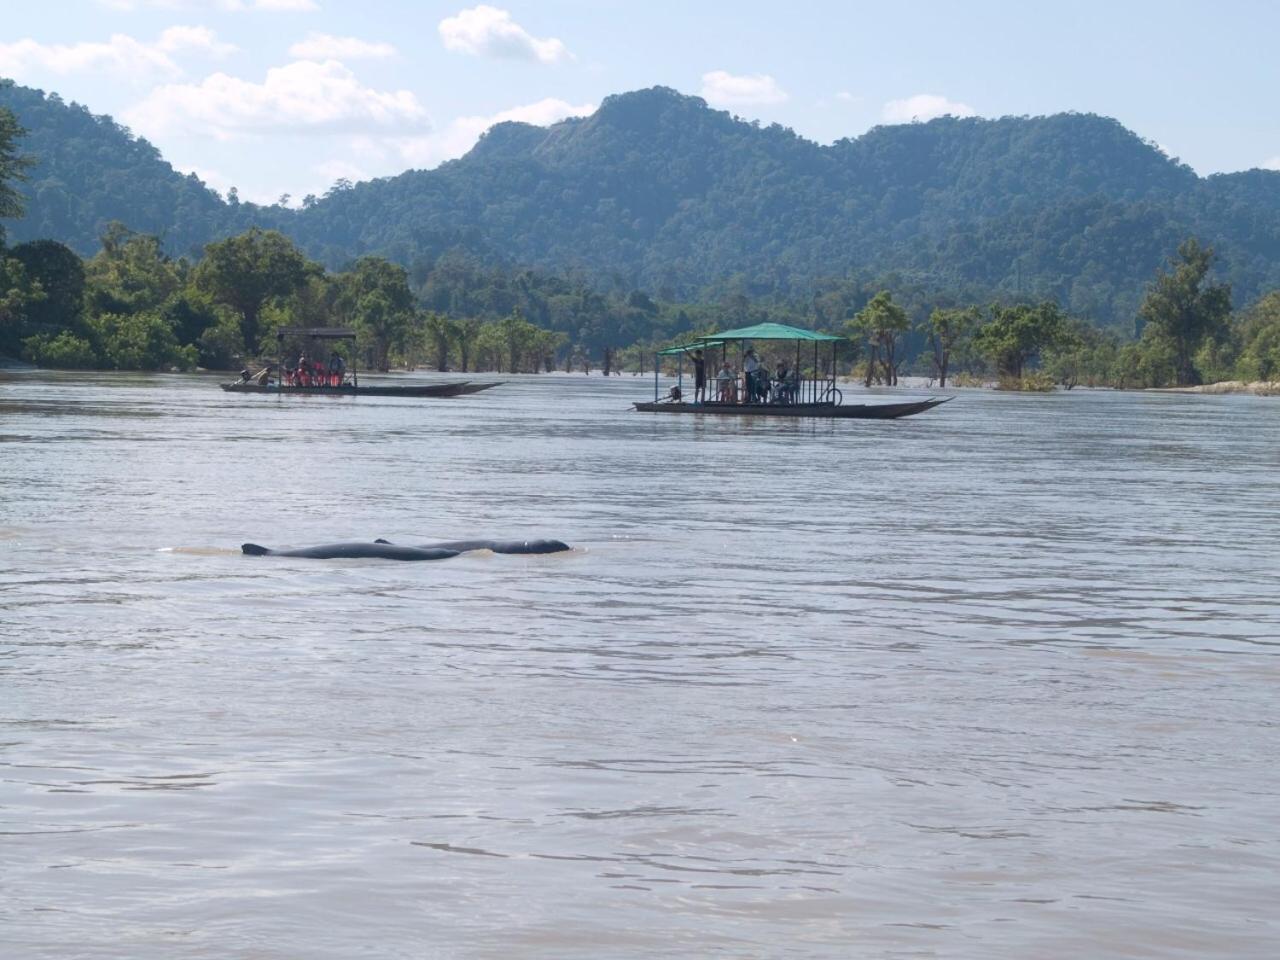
317, 333
767, 331
687, 348
760, 331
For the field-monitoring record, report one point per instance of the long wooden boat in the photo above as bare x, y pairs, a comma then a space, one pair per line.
312, 337
852, 411
455, 389
787, 391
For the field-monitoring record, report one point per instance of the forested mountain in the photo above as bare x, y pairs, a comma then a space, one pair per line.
90, 171
659, 192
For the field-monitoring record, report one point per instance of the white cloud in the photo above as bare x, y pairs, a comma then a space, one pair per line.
1272, 164
225, 6
299, 97
121, 54
724, 89
176, 39
461, 135
324, 46
924, 106
485, 31
844, 96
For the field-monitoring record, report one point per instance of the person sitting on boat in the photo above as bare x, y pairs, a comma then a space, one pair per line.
724, 385
319, 375
337, 369
302, 372
788, 384
751, 370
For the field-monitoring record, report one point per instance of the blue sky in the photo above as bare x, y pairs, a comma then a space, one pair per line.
286, 96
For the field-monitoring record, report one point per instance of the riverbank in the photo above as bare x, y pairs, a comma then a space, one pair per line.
12, 363
1259, 388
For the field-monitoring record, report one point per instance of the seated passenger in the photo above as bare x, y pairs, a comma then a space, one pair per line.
780, 383
725, 392
337, 369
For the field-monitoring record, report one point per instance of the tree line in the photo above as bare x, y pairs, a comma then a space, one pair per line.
1186, 334
132, 306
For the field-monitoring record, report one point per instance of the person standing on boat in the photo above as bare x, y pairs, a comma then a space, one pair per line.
751, 370
337, 369
699, 376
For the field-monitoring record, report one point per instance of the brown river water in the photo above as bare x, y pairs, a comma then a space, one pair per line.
995, 681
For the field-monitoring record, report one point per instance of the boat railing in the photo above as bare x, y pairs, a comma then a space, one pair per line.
791, 392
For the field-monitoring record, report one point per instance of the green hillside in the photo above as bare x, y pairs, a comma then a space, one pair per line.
656, 191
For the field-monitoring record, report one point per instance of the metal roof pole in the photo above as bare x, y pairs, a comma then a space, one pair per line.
657, 362
815, 371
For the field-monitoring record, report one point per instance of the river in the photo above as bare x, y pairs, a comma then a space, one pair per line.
997, 681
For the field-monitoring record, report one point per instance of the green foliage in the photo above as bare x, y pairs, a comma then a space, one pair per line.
1015, 336
133, 307
441, 334
65, 351
878, 326
89, 171
18, 294
246, 271
131, 273
61, 276
375, 295
948, 330
1081, 354
1183, 312
220, 346
13, 166
1259, 334
139, 341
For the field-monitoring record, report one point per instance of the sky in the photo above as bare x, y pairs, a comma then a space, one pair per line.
280, 97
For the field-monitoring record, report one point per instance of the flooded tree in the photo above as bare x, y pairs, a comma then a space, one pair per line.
1183, 311
879, 325
946, 330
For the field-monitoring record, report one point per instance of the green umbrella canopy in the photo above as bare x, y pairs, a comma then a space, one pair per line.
767, 331
761, 331
688, 347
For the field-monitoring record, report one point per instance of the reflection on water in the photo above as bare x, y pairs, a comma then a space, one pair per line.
994, 681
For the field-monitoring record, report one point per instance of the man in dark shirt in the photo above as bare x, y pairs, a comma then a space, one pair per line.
699, 377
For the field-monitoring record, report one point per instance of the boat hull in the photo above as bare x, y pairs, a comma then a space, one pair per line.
421, 390
854, 411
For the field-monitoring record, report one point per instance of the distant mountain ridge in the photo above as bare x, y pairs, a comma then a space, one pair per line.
657, 190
